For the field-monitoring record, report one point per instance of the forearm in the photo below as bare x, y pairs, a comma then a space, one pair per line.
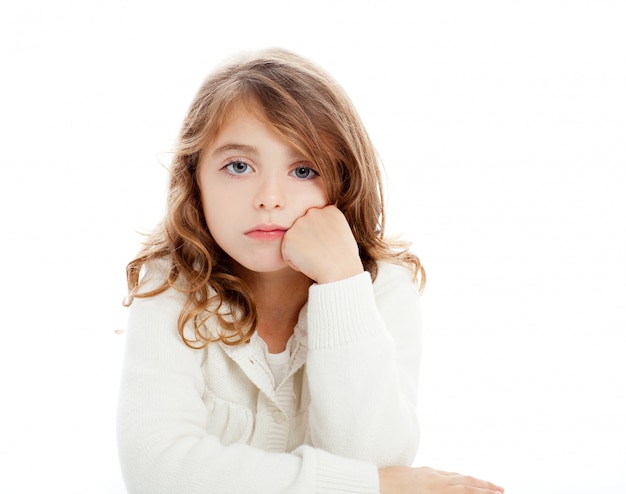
202, 465
363, 410
363, 396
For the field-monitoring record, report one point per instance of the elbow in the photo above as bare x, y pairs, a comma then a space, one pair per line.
401, 446
147, 459
146, 471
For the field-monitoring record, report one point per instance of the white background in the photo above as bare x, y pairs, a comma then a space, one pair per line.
502, 126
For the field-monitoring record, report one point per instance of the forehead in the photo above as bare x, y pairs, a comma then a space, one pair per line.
246, 130
246, 115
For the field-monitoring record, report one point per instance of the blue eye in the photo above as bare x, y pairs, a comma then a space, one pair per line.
304, 172
238, 168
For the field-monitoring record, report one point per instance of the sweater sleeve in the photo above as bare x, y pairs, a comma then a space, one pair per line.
162, 440
364, 346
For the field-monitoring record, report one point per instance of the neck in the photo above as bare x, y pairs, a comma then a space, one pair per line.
279, 298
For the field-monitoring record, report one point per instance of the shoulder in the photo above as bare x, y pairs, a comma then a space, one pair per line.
160, 299
154, 296
154, 274
395, 289
154, 278
392, 274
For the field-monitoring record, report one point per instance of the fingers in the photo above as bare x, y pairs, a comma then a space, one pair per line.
465, 483
321, 245
401, 480
469, 489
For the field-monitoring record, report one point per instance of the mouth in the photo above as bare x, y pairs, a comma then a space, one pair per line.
266, 232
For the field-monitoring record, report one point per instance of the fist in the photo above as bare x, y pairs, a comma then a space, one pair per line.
320, 245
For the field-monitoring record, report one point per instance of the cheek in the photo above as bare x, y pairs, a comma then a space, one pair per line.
311, 199
318, 196
219, 231
213, 214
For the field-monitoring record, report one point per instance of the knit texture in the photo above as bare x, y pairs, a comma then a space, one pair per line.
215, 421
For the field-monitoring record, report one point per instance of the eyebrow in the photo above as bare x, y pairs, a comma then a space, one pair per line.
248, 149
235, 147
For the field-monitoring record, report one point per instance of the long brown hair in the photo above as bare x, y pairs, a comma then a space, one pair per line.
313, 114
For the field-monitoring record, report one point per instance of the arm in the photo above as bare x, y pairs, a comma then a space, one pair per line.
364, 357
363, 344
163, 444
362, 366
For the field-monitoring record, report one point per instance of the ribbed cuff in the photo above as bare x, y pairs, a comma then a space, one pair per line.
338, 474
342, 312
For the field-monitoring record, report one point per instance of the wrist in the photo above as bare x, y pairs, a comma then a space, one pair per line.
340, 272
382, 481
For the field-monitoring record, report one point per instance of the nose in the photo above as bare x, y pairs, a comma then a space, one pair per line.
270, 194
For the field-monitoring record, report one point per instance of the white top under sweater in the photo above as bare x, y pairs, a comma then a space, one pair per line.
278, 363
213, 421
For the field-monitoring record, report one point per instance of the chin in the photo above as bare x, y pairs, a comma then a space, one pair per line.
266, 267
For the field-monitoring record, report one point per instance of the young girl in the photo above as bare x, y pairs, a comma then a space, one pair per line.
273, 337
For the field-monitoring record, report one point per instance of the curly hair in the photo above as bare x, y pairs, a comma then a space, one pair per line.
312, 113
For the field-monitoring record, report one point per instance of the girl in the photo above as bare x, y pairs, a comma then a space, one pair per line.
273, 336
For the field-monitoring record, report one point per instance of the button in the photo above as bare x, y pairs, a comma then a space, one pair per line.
279, 418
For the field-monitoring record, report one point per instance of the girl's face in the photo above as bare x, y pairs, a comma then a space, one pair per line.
253, 187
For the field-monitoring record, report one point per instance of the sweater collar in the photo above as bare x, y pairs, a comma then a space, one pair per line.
250, 357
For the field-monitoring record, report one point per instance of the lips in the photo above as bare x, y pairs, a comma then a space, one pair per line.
266, 232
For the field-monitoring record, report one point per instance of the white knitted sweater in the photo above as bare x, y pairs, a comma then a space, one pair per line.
213, 420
